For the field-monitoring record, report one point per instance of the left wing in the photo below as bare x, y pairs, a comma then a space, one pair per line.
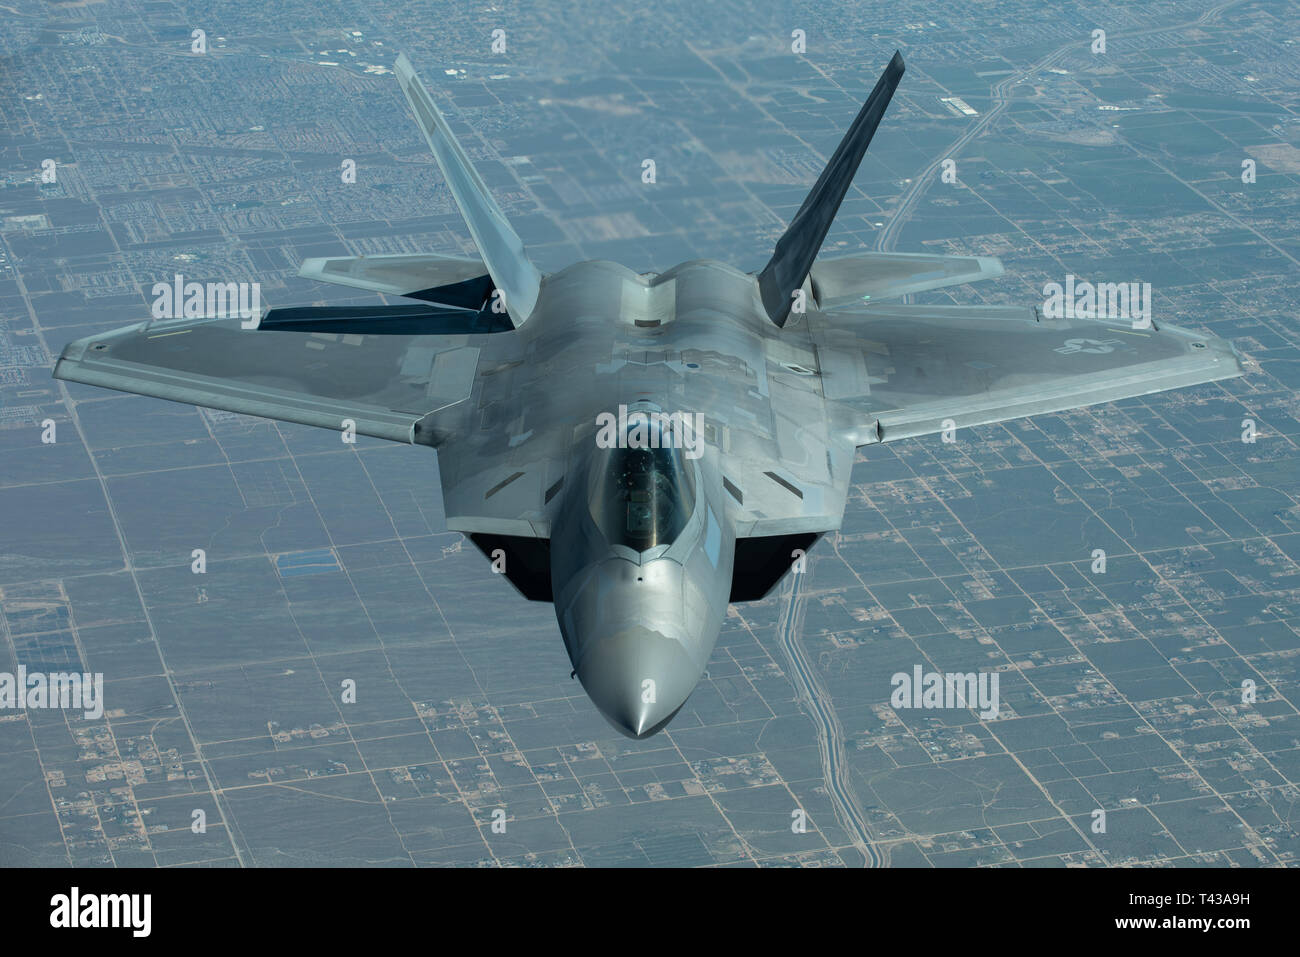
910, 368
384, 384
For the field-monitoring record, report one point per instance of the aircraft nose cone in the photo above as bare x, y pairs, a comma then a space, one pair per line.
638, 679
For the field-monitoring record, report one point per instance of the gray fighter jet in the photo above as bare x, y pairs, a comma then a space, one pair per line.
644, 448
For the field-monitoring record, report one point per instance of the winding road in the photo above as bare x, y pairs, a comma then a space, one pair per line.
830, 736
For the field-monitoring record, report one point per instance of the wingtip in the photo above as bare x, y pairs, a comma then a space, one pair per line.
896, 62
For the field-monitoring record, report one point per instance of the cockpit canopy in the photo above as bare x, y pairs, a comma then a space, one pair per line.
642, 497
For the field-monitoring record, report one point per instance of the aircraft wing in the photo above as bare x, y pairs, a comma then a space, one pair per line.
385, 384
910, 368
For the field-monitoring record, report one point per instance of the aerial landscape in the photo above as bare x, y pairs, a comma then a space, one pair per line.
303, 652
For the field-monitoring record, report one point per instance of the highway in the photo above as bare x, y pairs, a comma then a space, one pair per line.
1000, 96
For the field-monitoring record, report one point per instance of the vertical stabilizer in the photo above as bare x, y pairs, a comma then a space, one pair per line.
799, 245
498, 244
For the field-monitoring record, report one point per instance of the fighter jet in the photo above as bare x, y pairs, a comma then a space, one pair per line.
641, 448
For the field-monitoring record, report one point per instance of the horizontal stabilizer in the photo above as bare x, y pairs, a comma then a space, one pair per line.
400, 275
385, 320
497, 242
849, 280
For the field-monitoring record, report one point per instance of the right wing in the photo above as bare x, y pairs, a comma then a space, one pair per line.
911, 368
384, 384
